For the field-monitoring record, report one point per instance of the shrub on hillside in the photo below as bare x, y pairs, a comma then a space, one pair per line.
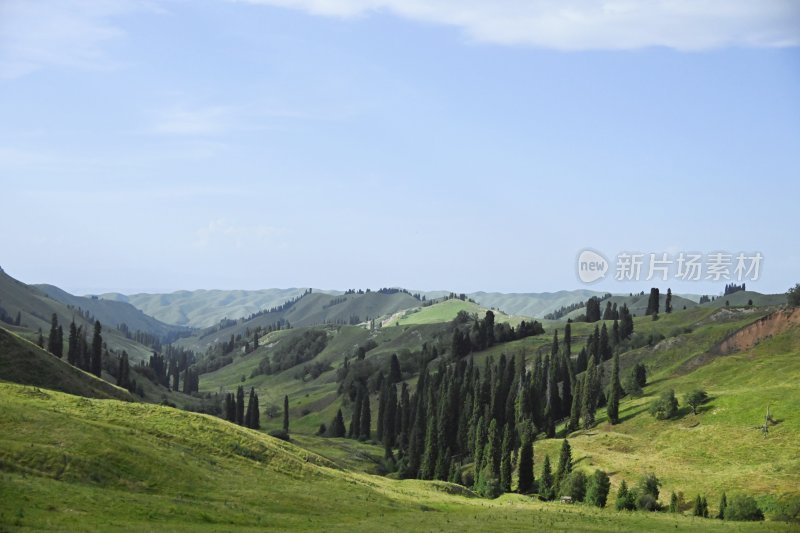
788, 509
793, 295
742, 507
574, 485
646, 502
597, 489
665, 406
648, 490
487, 485
631, 386
626, 498
695, 399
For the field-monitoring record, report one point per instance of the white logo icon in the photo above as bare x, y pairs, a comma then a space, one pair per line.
591, 266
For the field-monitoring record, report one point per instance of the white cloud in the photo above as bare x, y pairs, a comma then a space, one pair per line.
590, 24
61, 33
75, 33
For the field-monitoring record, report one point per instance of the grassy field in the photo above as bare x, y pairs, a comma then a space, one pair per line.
70, 463
313, 309
676, 450
445, 312
720, 448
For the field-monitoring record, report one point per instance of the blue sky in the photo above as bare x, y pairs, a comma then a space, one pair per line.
467, 145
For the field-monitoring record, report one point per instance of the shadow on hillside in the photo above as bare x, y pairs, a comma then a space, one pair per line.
627, 416
584, 458
686, 410
655, 382
707, 405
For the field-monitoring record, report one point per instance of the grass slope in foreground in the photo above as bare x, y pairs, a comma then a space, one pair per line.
70, 463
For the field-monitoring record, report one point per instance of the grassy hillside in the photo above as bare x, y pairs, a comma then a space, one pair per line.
678, 361
637, 304
311, 309
204, 308
70, 463
23, 362
113, 313
36, 309
720, 448
532, 304
315, 401
742, 298
443, 312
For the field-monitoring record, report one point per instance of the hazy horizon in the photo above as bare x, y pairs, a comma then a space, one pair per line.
97, 291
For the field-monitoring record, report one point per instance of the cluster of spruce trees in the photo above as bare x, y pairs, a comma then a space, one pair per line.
460, 414
653, 303
234, 409
8, 319
171, 369
474, 334
573, 484
55, 340
123, 375
80, 353
361, 420
730, 288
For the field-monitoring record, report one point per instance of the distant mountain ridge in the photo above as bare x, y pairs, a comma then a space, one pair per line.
310, 309
206, 308
535, 305
114, 313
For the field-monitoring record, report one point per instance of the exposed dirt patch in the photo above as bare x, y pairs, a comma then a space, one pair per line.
745, 338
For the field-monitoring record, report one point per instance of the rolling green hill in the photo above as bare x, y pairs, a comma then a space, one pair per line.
442, 312
69, 463
536, 304
721, 448
114, 313
36, 308
314, 401
681, 356
125, 466
21, 361
205, 308
743, 298
637, 304
311, 309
